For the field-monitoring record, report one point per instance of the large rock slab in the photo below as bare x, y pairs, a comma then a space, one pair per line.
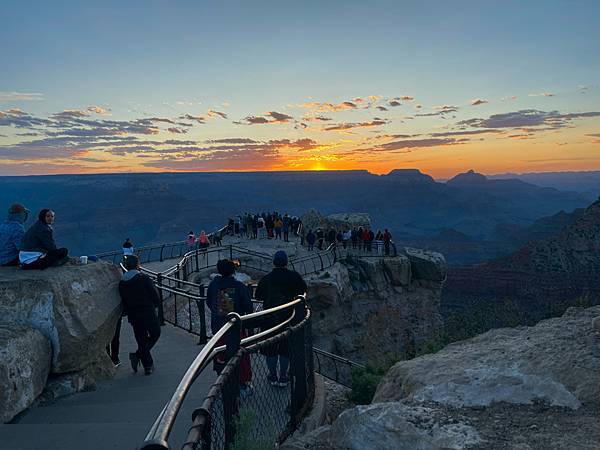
427, 265
313, 220
25, 356
557, 362
75, 307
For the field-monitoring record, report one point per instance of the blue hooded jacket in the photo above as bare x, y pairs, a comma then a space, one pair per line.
11, 236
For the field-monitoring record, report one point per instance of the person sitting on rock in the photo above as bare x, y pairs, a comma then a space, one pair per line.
38, 250
11, 235
140, 300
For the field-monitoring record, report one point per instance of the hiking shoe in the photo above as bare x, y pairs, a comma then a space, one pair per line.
272, 379
116, 362
135, 361
283, 382
246, 390
148, 370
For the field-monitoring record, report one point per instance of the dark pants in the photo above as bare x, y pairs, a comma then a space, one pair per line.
113, 348
386, 246
48, 260
146, 335
14, 262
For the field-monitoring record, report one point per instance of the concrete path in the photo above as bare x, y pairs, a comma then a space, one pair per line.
120, 412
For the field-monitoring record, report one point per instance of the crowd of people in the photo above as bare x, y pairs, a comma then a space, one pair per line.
270, 225
361, 238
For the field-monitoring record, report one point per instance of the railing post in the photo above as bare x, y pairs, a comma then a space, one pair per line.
233, 336
231, 388
161, 252
298, 367
230, 252
202, 314
161, 312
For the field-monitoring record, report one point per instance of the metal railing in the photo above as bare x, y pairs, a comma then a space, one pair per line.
216, 424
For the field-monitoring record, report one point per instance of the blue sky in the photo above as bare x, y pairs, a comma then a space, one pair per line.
140, 59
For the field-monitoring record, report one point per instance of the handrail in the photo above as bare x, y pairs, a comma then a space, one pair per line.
162, 426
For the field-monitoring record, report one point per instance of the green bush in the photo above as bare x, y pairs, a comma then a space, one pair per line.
364, 383
245, 432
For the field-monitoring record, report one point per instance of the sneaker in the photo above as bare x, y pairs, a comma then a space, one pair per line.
272, 380
135, 361
148, 370
246, 390
283, 382
116, 362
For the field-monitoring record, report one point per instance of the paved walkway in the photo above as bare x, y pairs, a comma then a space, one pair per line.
119, 413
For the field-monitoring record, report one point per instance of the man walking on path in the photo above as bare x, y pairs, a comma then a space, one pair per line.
279, 287
140, 301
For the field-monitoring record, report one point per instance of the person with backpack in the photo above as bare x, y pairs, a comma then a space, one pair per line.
278, 287
225, 294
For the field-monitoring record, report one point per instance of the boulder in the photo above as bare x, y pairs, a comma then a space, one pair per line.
392, 426
426, 265
24, 366
75, 307
313, 220
398, 269
554, 362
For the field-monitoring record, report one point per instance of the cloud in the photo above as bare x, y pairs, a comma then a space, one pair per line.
407, 98
509, 98
316, 119
213, 113
19, 119
198, 119
269, 118
177, 130
69, 114
542, 94
478, 101
347, 126
232, 141
419, 143
528, 118
98, 110
463, 133
382, 108
394, 103
331, 107
13, 96
441, 110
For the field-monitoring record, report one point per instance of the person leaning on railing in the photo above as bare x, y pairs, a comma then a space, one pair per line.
225, 294
278, 287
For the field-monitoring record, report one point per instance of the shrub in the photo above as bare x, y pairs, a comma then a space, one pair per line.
364, 383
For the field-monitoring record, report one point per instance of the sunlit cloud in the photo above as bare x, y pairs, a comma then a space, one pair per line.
98, 110
213, 113
331, 107
13, 96
478, 101
269, 118
347, 126
542, 94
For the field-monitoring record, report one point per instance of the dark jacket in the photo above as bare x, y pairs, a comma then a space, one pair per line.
225, 295
278, 287
311, 238
139, 297
39, 238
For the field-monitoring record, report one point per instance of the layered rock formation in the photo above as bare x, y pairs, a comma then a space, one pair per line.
55, 323
541, 279
313, 220
523, 388
377, 310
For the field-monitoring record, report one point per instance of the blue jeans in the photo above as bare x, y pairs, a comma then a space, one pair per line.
284, 363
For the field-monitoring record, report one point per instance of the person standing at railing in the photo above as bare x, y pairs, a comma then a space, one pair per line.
127, 247
311, 238
277, 226
387, 240
286, 227
140, 300
279, 287
203, 242
225, 294
191, 239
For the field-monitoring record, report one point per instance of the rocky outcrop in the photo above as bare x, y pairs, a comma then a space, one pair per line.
554, 362
375, 310
74, 307
313, 220
24, 366
427, 265
523, 388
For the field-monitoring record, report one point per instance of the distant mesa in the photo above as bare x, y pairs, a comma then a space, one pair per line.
470, 178
410, 176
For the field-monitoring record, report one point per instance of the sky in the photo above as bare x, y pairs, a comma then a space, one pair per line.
240, 85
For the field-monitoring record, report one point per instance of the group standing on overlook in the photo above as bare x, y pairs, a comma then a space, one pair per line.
270, 225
